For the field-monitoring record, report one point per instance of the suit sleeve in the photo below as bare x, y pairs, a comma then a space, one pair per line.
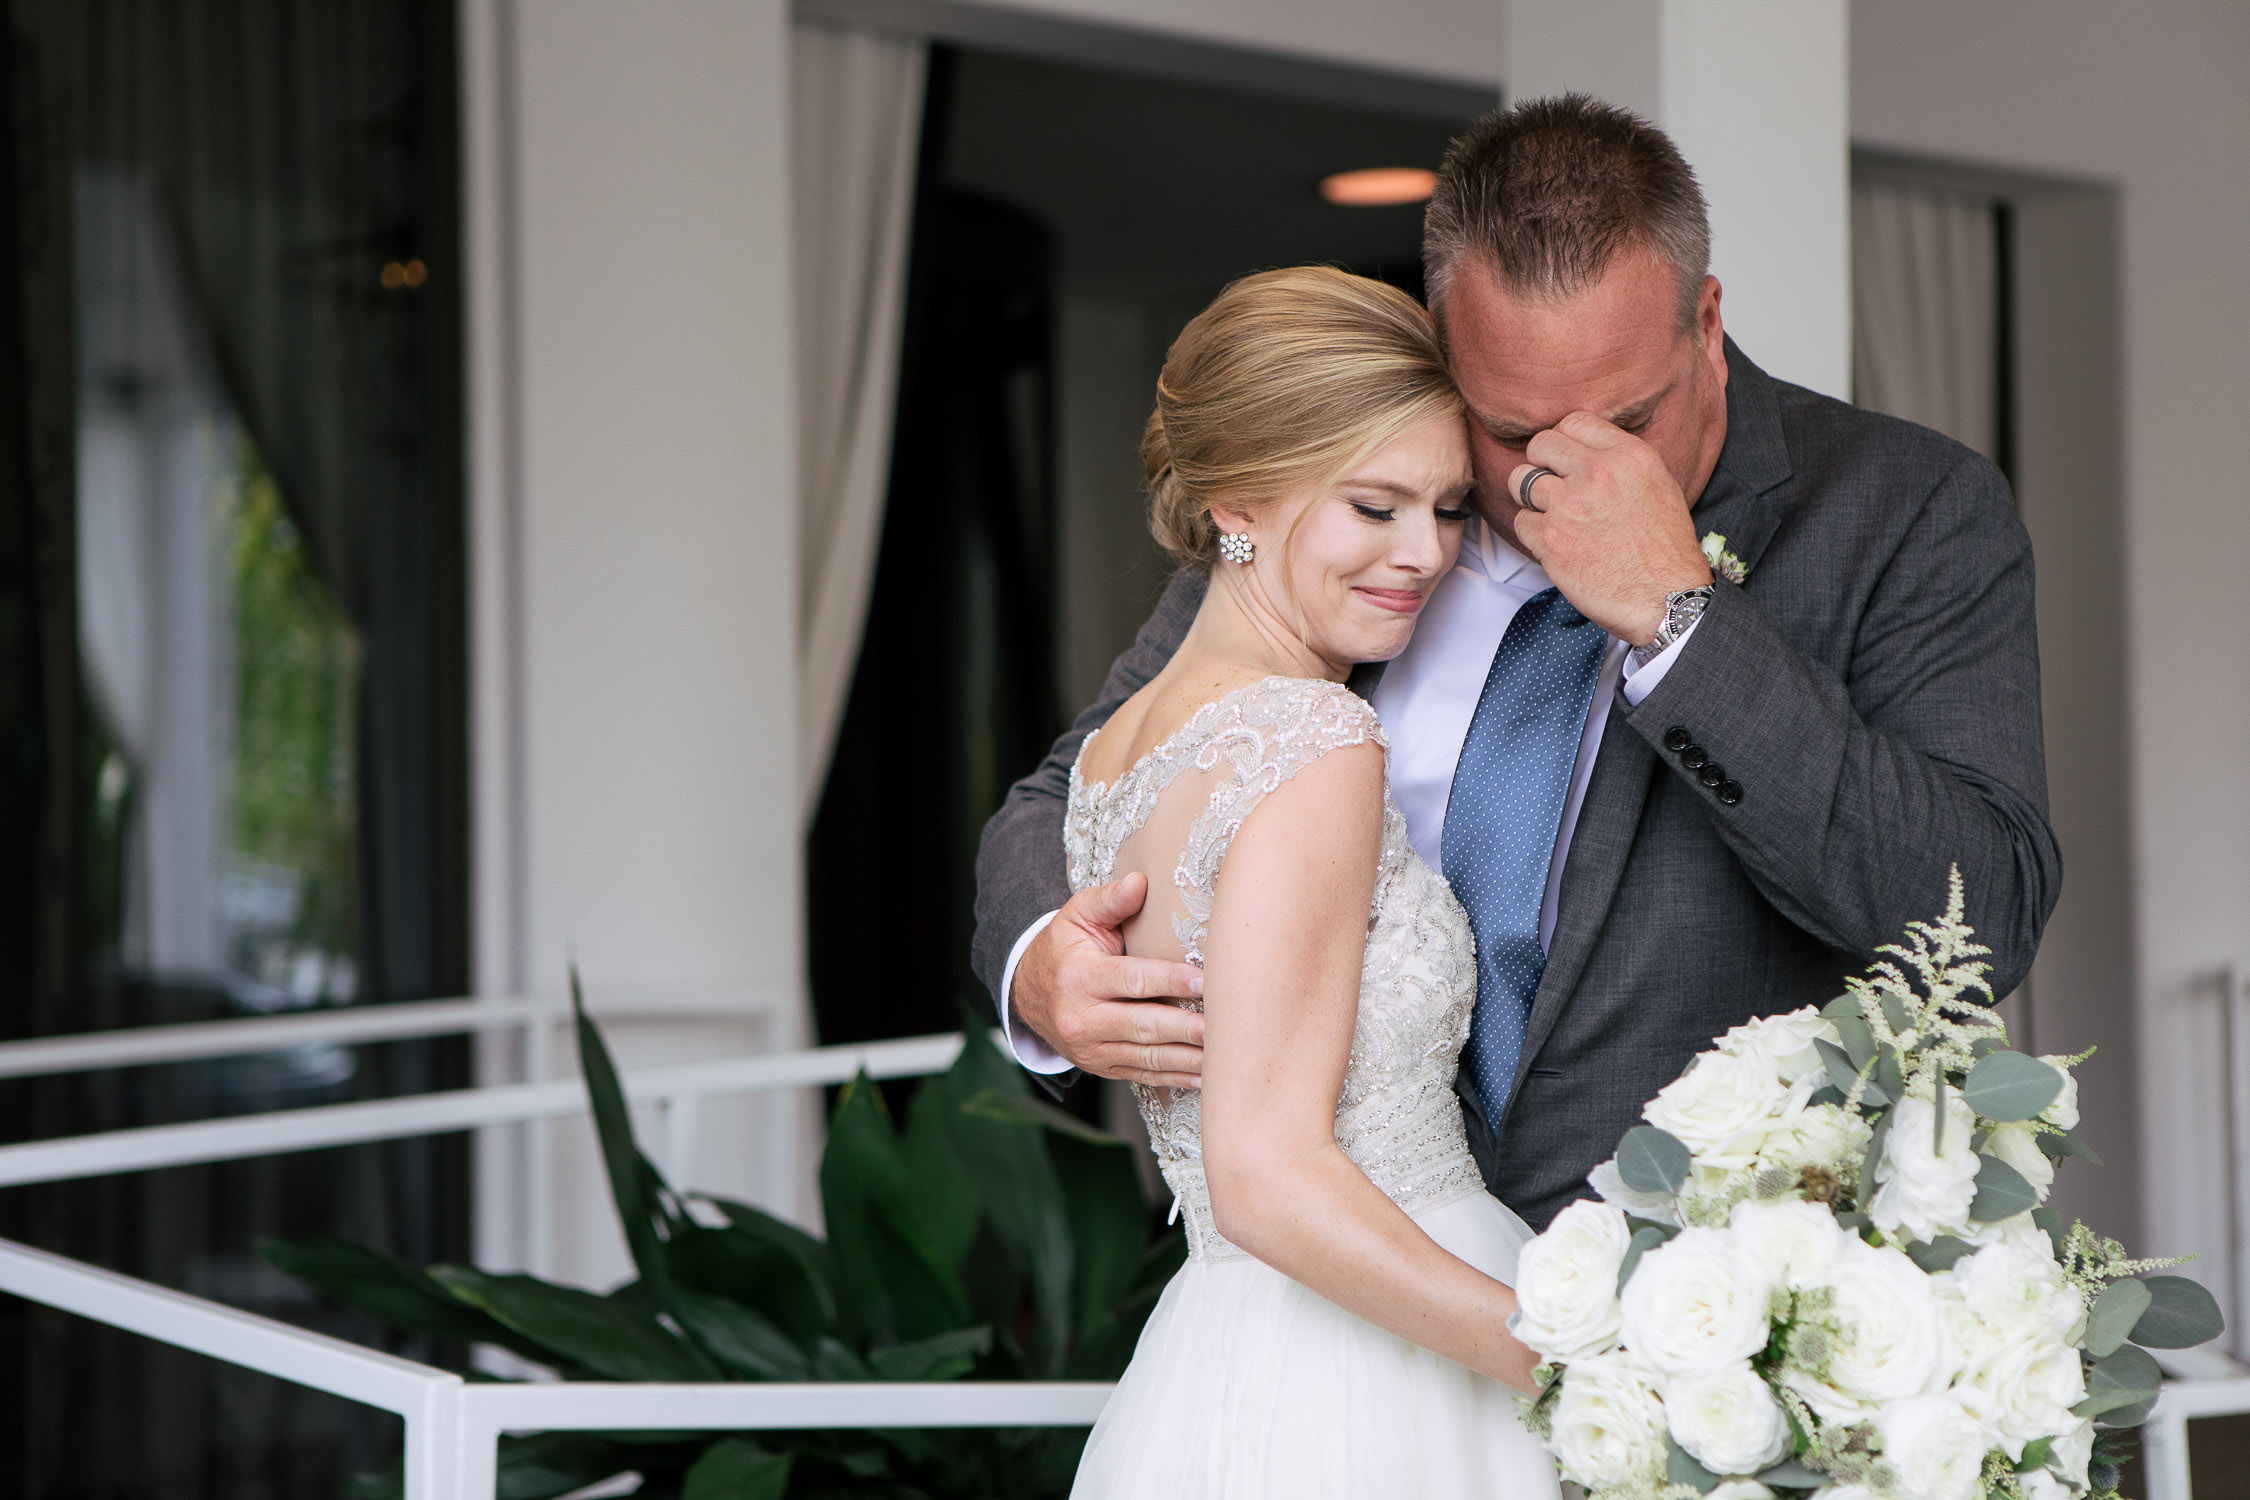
1021, 875
1857, 793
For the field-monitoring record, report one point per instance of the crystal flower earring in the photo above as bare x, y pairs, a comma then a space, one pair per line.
1235, 547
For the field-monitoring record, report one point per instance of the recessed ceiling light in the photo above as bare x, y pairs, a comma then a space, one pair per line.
1375, 187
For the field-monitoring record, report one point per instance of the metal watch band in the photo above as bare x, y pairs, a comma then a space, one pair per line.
1681, 609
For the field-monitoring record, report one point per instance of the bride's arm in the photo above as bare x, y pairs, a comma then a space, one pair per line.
1282, 963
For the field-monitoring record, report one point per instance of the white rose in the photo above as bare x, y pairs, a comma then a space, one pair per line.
1724, 1107
1695, 1303
1566, 1283
2064, 1111
1607, 1181
1727, 1419
1845, 1492
2017, 1232
1822, 1135
1792, 1241
2041, 1485
2017, 1144
2020, 1295
2073, 1450
1739, 1489
1936, 1448
2023, 1395
1784, 1043
1925, 1192
1889, 1342
1609, 1424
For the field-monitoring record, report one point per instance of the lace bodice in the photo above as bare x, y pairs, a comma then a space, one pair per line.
1398, 1118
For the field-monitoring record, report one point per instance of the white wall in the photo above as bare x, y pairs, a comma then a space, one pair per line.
632, 534
2151, 97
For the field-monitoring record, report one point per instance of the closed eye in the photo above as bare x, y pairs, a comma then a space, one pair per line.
1452, 515
1375, 512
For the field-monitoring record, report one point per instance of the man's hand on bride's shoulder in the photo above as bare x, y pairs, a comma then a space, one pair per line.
1113, 1015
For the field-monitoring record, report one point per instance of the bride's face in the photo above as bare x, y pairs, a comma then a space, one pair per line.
1348, 568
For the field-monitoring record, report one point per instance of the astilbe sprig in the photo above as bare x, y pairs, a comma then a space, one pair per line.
2090, 1261
1946, 1004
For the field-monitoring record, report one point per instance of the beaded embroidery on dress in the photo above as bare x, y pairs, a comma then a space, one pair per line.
1398, 1119
1247, 1385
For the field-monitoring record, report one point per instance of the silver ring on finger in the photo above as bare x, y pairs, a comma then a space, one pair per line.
1523, 489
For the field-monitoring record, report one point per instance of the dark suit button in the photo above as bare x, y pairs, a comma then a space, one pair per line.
1677, 739
1713, 775
1730, 792
1695, 757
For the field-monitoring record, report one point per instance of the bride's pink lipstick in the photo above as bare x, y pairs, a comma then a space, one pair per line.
1397, 601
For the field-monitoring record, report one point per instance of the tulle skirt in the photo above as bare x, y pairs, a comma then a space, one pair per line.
1247, 1385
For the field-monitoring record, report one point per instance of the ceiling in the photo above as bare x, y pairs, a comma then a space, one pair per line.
1157, 187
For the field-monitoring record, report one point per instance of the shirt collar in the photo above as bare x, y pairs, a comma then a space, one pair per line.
1486, 553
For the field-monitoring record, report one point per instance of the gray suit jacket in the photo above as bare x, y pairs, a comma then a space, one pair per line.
1873, 688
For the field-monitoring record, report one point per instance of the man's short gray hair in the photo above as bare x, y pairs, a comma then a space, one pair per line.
1547, 193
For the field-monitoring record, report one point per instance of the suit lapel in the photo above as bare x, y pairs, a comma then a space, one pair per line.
1746, 502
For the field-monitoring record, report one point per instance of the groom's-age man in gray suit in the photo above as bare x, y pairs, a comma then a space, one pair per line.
1765, 760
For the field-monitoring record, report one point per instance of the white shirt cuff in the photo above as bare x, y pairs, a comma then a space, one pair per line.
1641, 680
1034, 1054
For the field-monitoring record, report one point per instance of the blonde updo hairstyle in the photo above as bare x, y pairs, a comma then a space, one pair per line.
1285, 381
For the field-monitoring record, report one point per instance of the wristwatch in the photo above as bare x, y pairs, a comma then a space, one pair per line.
1682, 608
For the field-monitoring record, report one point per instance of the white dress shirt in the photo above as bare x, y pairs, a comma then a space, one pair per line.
1425, 701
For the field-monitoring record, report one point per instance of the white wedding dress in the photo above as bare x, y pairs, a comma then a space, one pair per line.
1246, 1384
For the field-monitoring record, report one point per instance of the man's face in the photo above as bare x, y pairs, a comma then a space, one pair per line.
1615, 349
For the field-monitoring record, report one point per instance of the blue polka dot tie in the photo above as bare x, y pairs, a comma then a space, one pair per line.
1505, 808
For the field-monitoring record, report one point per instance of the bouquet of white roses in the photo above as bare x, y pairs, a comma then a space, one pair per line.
1824, 1265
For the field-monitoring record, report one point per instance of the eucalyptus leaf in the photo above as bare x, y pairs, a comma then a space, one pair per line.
2002, 1192
2061, 1143
2127, 1416
1877, 1139
736, 1468
2035, 1455
1680, 1467
1939, 1254
1643, 1241
1827, 1093
2007, 1086
1859, 1040
1937, 1120
1889, 1076
1842, 1008
1790, 1474
1895, 1012
2181, 1314
2125, 1378
1636, 1224
2057, 1231
1653, 1161
2109, 1322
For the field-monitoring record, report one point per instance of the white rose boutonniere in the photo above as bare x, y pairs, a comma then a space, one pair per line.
1721, 557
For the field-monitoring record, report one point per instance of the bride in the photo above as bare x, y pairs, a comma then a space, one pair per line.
1341, 1325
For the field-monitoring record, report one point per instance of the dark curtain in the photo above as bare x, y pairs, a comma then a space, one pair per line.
953, 697
293, 146
305, 154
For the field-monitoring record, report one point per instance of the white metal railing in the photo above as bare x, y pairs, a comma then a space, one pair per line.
453, 1426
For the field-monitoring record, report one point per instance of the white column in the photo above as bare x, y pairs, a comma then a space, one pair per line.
633, 474
1755, 93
